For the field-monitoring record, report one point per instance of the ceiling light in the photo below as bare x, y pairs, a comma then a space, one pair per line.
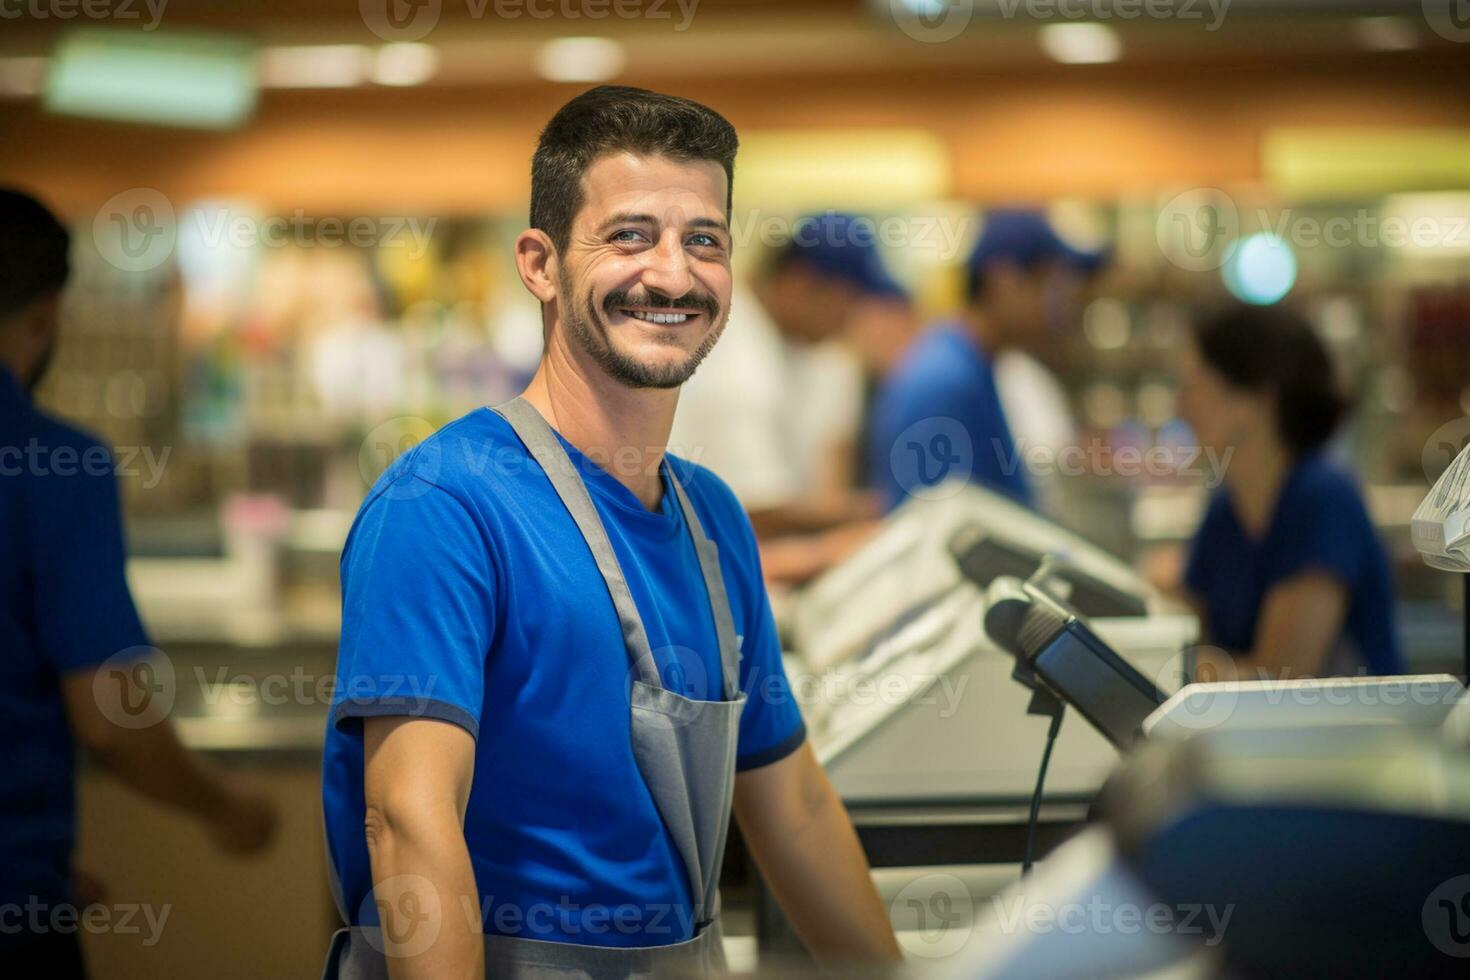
405, 64
1081, 44
22, 76
1386, 33
315, 66
580, 59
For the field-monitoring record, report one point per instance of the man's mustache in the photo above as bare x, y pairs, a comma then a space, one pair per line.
654, 300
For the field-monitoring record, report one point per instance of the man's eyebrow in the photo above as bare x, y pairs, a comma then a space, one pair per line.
716, 223
627, 218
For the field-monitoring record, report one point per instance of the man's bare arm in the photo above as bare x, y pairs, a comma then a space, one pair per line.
152, 760
804, 843
417, 784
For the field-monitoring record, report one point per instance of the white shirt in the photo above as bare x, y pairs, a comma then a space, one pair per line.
765, 413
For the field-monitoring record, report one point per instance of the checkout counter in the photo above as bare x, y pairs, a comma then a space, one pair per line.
912, 708
1312, 827
1247, 829
914, 702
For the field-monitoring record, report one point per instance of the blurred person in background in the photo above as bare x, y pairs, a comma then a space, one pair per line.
939, 413
71, 643
1286, 570
776, 409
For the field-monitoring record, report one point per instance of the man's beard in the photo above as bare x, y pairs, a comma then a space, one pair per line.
589, 329
43, 366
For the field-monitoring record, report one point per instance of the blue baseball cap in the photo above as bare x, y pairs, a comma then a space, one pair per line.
843, 246
1026, 239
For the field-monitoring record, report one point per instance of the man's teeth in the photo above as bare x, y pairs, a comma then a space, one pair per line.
660, 317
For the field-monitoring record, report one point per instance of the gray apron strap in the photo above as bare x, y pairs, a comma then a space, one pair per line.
541, 442
714, 584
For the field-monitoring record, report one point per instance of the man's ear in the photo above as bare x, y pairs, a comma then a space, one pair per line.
538, 264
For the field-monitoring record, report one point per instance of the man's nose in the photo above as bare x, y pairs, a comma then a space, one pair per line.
668, 270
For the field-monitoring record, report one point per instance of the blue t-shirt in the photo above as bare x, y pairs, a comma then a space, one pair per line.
64, 606
470, 596
938, 415
1320, 525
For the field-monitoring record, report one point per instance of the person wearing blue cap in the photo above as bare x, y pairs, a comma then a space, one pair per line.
939, 415
777, 407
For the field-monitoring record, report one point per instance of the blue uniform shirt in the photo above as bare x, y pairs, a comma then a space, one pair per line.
470, 596
938, 415
64, 606
1320, 525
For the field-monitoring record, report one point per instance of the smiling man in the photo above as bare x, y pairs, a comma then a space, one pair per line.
558, 672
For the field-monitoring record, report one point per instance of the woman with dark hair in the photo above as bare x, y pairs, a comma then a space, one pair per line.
1286, 569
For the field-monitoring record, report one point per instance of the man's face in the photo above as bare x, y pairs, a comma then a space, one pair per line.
1035, 306
645, 281
30, 337
812, 307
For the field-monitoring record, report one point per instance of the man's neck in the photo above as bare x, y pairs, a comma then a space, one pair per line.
624, 430
983, 329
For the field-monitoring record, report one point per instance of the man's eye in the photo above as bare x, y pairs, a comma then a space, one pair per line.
628, 235
704, 241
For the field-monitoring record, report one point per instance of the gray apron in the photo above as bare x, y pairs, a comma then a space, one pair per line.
685, 751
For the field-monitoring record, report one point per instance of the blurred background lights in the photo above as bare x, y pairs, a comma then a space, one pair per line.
1081, 44
1259, 269
580, 59
405, 64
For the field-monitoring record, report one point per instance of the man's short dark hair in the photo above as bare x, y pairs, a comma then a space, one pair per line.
613, 119
33, 251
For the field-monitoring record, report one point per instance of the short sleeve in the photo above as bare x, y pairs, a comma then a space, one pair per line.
418, 614
84, 609
771, 726
1327, 532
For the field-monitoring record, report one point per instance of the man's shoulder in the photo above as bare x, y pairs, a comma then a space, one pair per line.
720, 511
37, 427
467, 459
940, 360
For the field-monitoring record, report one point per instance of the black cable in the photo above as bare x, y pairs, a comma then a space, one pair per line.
1051, 740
